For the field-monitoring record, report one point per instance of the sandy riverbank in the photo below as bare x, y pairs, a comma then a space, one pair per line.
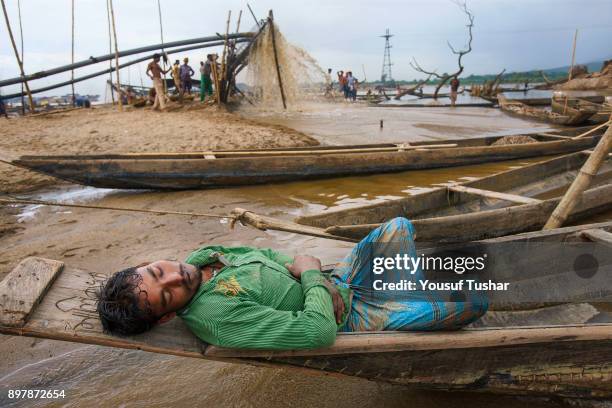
104, 130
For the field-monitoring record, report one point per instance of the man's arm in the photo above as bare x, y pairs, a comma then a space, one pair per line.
276, 256
148, 71
251, 325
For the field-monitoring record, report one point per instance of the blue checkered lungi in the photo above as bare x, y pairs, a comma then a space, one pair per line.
377, 310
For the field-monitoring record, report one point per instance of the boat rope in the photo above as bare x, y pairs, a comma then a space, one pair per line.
18, 200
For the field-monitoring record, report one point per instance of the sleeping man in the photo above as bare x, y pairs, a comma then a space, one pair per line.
261, 299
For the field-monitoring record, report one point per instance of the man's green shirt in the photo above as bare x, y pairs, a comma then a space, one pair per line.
255, 302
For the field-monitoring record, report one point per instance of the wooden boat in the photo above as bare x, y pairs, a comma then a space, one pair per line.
526, 101
46, 299
420, 104
517, 108
246, 167
600, 113
505, 203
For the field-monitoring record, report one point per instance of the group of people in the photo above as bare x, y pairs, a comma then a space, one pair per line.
347, 85
181, 74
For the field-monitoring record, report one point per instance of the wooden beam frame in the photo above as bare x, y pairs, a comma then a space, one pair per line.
494, 194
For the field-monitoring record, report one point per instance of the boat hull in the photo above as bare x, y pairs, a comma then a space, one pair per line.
192, 172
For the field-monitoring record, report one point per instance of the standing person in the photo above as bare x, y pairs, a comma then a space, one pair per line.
345, 87
154, 71
186, 72
176, 75
3, 109
454, 84
329, 83
351, 90
205, 79
341, 81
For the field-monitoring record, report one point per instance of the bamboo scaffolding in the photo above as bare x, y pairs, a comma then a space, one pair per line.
124, 65
112, 13
110, 56
19, 62
581, 183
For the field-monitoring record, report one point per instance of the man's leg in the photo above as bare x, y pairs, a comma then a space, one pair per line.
202, 89
373, 310
209, 88
160, 95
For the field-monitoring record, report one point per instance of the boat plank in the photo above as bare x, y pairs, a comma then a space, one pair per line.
598, 235
24, 287
494, 194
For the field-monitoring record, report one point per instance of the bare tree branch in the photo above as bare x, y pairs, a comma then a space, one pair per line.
444, 78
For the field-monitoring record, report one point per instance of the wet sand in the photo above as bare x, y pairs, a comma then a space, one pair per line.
105, 241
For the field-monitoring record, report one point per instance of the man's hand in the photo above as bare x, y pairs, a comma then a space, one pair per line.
302, 263
336, 300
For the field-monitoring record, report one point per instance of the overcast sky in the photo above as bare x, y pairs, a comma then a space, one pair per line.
340, 34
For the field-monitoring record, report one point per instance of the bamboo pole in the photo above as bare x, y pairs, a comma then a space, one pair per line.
608, 123
581, 183
223, 64
265, 223
112, 13
253, 14
72, 60
569, 77
164, 55
22, 55
278, 72
110, 50
223, 79
19, 62
121, 66
103, 58
215, 74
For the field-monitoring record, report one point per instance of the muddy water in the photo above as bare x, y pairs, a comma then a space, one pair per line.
107, 241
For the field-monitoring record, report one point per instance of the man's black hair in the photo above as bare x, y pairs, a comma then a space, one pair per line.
156, 55
118, 305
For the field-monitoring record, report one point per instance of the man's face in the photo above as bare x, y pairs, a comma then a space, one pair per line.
170, 285
156, 59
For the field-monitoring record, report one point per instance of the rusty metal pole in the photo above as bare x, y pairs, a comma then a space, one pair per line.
280, 79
